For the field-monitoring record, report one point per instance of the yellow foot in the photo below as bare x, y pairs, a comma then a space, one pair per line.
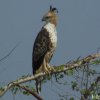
45, 70
50, 68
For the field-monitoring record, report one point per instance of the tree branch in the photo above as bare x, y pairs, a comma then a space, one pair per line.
30, 91
62, 68
94, 83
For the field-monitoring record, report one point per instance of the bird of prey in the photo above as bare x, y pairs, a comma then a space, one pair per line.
45, 45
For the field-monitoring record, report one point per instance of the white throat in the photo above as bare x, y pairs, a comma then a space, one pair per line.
50, 28
52, 33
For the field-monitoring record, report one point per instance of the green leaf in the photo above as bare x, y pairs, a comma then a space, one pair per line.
71, 98
69, 72
26, 93
96, 62
14, 90
74, 85
86, 92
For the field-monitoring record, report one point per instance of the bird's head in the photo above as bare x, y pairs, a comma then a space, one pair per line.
51, 16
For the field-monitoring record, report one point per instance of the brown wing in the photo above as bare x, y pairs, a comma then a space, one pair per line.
40, 48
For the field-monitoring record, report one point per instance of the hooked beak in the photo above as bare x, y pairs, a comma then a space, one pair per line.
43, 19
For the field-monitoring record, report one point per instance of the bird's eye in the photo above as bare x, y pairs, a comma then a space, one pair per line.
47, 17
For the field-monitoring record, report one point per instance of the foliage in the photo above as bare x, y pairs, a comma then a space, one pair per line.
84, 82
81, 82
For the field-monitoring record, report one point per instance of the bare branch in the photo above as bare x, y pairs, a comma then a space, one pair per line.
30, 91
75, 64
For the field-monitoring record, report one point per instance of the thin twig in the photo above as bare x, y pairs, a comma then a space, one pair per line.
10, 52
94, 83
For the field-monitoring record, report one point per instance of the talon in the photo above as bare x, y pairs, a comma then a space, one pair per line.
46, 71
53, 69
50, 68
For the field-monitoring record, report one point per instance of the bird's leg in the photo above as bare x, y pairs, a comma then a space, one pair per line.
44, 67
50, 68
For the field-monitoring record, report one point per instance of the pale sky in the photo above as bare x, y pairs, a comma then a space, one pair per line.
20, 21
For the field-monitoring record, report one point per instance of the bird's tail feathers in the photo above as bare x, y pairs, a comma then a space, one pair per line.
38, 85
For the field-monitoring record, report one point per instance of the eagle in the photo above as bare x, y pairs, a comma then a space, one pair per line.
45, 45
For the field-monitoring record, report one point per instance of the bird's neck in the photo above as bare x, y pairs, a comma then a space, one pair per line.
54, 22
50, 25
50, 28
